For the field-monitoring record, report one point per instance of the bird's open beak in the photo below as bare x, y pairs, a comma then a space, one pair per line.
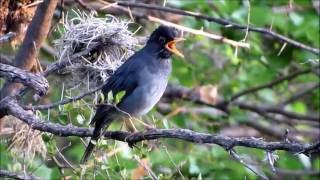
171, 46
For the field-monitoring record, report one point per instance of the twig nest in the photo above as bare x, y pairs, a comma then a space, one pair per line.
85, 31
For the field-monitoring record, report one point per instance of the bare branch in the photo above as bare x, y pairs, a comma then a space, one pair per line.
5, 59
240, 160
184, 134
7, 37
266, 130
35, 81
63, 63
271, 84
296, 173
36, 34
276, 110
299, 94
65, 101
311, 149
200, 32
174, 91
224, 22
8, 174
53, 68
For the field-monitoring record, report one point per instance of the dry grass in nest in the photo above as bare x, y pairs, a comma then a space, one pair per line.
25, 140
85, 31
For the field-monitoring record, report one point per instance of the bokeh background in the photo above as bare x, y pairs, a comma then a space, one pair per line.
215, 70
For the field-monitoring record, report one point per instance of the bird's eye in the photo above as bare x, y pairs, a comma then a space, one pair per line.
162, 39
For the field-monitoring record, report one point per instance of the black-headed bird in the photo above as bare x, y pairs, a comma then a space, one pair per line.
143, 77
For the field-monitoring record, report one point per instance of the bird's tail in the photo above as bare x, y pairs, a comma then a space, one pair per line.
97, 132
102, 120
87, 153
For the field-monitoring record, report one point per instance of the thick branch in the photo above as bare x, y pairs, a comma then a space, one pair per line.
12, 175
35, 81
224, 22
184, 134
174, 92
36, 34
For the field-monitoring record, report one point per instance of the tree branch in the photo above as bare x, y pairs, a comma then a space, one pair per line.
272, 83
7, 37
173, 92
184, 134
34, 81
200, 32
224, 22
64, 101
63, 63
8, 174
299, 94
36, 34
276, 110
251, 168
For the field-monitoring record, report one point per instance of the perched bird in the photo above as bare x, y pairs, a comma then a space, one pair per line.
143, 78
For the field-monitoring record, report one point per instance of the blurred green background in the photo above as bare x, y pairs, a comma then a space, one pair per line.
206, 62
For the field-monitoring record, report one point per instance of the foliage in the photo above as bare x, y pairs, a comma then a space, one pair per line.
207, 62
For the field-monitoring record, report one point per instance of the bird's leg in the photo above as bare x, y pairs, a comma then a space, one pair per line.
147, 126
129, 125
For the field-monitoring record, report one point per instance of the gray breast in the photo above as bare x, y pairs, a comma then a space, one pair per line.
151, 86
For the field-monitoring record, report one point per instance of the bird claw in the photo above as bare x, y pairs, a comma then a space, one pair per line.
131, 144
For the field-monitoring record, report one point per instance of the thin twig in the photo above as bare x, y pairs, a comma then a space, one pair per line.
276, 110
200, 32
222, 22
64, 101
299, 94
150, 172
238, 158
8, 174
270, 84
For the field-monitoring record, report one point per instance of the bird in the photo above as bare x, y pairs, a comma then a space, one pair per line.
143, 78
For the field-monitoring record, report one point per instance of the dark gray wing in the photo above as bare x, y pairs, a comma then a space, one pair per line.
124, 79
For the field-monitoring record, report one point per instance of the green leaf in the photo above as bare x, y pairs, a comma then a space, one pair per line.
46, 137
102, 98
80, 119
51, 146
119, 96
110, 96
296, 18
298, 107
193, 167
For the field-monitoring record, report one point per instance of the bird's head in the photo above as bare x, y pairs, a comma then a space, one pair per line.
164, 40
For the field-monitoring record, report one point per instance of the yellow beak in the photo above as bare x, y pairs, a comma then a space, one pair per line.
171, 46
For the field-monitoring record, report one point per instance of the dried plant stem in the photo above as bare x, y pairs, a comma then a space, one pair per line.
200, 32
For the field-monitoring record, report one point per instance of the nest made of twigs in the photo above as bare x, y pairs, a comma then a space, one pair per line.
84, 31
